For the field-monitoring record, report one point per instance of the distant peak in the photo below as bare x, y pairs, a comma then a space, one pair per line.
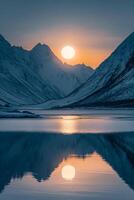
83, 66
41, 46
44, 51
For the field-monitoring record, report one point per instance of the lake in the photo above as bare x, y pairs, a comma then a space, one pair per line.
68, 154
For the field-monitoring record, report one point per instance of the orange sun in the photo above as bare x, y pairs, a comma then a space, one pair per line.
68, 52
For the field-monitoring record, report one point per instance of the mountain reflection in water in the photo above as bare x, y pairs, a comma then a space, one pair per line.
41, 153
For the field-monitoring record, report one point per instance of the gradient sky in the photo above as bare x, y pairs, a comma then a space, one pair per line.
93, 27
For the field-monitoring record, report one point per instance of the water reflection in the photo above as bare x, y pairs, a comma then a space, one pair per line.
40, 154
68, 124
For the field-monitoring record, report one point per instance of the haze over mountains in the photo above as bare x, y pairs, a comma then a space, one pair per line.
39, 78
36, 76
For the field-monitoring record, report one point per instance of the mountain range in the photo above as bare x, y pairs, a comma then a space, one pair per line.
35, 76
38, 78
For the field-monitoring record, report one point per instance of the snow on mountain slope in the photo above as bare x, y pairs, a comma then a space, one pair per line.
19, 84
119, 84
112, 81
36, 76
122, 88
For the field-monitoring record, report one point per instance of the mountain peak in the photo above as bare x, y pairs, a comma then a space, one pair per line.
41, 47
83, 66
43, 51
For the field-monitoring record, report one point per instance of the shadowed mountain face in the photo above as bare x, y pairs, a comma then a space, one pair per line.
39, 154
33, 77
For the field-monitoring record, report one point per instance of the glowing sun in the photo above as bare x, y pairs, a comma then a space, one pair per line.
68, 172
68, 52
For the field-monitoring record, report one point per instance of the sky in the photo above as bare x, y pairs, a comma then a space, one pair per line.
93, 27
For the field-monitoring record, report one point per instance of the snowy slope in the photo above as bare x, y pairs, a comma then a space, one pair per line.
118, 83
36, 76
112, 81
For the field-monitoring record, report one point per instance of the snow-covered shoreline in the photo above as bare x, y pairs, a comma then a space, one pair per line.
9, 113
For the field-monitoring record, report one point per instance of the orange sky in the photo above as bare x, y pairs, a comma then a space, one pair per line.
91, 47
89, 57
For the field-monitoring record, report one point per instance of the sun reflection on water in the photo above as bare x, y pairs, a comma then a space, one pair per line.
68, 124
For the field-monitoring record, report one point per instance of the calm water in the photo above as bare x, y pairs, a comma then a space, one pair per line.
74, 121
79, 156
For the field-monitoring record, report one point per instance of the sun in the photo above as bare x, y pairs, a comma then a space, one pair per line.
68, 172
68, 52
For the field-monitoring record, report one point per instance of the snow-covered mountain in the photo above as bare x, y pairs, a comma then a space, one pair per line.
56, 73
111, 83
36, 76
